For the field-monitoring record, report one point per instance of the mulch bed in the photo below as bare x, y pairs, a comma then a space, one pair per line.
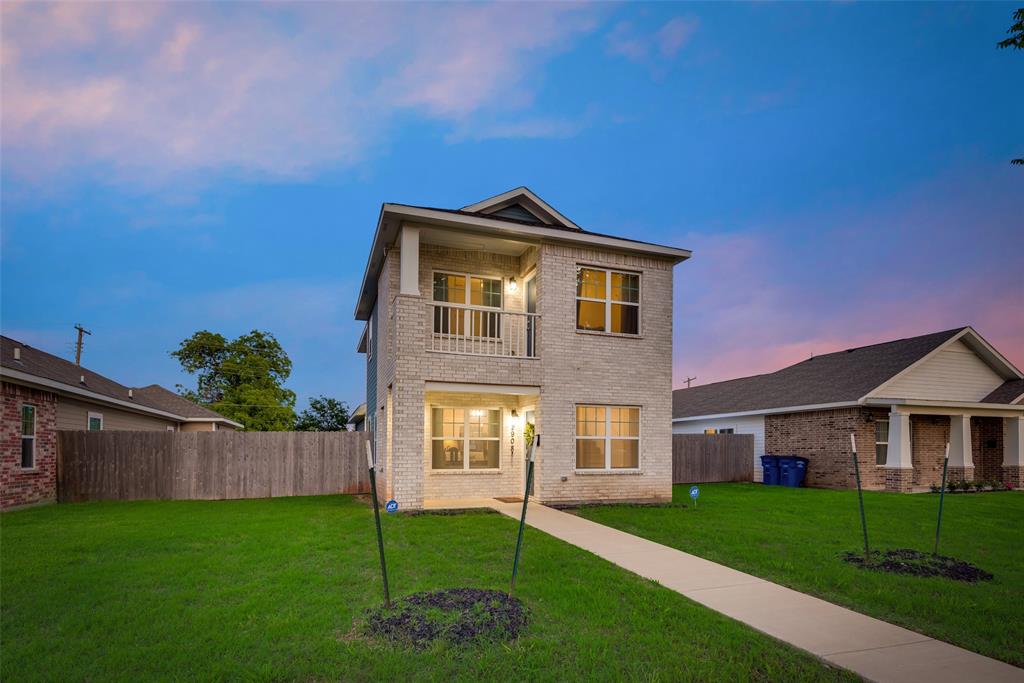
917, 563
456, 616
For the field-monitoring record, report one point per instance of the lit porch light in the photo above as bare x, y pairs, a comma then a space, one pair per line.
513, 286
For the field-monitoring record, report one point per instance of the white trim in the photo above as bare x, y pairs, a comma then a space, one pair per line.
922, 403
10, 374
465, 387
770, 411
89, 418
521, 191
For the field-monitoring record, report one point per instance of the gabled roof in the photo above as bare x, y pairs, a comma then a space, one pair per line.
60, 374
834, 378
522, 204
518, 215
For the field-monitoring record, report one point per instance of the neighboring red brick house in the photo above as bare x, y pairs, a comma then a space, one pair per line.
42, 393
903, 400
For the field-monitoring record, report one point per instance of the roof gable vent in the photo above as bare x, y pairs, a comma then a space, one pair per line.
517, 212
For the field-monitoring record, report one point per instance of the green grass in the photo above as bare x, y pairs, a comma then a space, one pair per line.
795, 537
273, 589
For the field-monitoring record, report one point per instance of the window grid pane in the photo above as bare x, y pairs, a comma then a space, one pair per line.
591, 283
626, 287
28, 420
590, 454
625, 319
590, 315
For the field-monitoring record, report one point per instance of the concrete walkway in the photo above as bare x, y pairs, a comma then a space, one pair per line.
871, 648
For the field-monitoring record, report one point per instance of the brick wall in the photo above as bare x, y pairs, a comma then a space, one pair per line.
24, 487
572, 368
823, 437
987, 444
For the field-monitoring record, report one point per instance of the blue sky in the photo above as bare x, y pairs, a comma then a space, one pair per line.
839, 169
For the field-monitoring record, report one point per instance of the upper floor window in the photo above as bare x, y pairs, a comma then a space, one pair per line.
607, 437
607, 301
465, 438
95, 422
28, 436
458, 292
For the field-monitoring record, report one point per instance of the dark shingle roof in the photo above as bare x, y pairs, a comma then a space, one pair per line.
832, 378
165, 399
1007, 392
47, 366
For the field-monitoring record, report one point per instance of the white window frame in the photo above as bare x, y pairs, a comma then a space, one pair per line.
23, 435
466, 438
89, 419
607, 301
608, 438
878, 443
468, 308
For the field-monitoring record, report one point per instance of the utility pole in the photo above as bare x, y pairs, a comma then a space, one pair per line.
78, 344
690, 379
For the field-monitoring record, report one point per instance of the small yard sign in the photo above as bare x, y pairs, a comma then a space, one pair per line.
694, 492
391, 505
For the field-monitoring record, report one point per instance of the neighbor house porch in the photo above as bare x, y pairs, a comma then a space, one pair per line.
984, 444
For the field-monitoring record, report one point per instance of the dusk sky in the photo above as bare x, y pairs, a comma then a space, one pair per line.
840, 170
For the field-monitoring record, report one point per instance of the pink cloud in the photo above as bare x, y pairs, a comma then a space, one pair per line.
755, 300
152, 90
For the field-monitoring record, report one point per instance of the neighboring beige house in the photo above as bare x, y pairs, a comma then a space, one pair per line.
43, 393
903, 400
487, 320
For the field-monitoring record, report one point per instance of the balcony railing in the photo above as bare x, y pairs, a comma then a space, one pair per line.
481, 331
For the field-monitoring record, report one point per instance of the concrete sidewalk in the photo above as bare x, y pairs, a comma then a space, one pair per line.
871, 648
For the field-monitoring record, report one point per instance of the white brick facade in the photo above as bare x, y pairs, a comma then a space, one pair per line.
571, 368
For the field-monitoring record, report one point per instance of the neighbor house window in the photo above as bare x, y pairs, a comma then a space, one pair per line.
727, 430
460, 292
465, 438
95, 422
881, 441
607, 301
607, 437
28, 436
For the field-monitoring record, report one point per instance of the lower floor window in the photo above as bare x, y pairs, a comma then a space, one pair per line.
607, 437
465, 438
28, 436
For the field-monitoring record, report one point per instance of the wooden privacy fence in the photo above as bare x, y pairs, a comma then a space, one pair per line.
699, 458
107, 465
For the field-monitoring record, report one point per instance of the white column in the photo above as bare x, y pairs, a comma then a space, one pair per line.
1013, 441
960, 441
899, 454
410, 258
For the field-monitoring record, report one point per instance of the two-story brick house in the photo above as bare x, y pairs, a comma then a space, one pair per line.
485, 322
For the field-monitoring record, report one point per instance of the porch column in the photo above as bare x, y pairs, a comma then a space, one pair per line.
1013, 451
410, 261
961, 461
899, 466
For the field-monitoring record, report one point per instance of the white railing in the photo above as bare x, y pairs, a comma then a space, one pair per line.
481, 331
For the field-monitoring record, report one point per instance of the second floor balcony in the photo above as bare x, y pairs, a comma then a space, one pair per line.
481, 331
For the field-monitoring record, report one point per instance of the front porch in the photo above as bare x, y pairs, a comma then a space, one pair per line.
984, 444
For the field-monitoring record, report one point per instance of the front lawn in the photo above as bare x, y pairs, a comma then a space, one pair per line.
796, 537
270, 590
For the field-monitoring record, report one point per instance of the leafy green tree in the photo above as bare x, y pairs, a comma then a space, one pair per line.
242, 379
1015, 42
324, 414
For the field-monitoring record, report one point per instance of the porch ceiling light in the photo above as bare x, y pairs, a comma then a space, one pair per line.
513, 286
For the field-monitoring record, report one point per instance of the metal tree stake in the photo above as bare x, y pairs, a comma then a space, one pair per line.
942, 496
522, 517
376, 518
860, 497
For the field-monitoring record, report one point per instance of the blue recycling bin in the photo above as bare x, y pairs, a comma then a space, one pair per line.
770, 470
792, 471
